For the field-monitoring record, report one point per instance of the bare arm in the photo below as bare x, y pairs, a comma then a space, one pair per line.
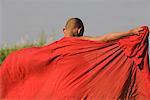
113, 36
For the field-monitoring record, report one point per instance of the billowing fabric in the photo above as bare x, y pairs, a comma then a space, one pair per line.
75, 69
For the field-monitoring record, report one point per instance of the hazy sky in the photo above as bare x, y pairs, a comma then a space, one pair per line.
0, 22
29, 18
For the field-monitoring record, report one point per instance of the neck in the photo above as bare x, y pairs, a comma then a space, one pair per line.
68, 35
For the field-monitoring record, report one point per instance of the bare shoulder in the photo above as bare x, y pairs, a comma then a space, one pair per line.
96, 38
86, 37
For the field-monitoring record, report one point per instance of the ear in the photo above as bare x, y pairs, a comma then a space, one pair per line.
64, 29
79, 30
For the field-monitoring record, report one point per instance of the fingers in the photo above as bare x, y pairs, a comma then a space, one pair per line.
137, 30
140, 29
137, 33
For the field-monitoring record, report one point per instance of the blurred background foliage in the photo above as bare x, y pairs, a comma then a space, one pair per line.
41, 41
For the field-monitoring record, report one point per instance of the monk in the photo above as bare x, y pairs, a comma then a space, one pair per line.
79, 67
75, 28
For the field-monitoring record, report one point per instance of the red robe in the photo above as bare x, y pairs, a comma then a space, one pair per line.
76, 69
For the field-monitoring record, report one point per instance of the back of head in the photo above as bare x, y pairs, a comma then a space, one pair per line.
76, 23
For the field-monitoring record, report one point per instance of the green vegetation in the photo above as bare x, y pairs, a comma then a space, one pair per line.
5, 51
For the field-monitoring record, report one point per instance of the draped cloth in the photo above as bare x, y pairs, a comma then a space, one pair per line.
75, 69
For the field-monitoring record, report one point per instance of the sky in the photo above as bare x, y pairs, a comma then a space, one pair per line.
29, 18
0, 22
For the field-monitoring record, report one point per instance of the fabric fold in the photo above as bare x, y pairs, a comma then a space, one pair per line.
76, 69
135, 46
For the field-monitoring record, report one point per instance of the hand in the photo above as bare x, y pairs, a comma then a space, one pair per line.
136, 31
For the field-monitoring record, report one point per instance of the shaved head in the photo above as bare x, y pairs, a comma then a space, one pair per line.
75, 23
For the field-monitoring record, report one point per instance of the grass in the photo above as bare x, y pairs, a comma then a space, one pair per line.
5, 51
